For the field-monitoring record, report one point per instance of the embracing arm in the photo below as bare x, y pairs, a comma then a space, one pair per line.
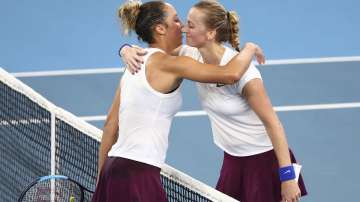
255, 93
132, 56
185, 67
110, 131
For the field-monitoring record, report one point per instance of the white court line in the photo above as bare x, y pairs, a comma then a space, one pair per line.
278, 109
93, 118
203, 113
69, 72
317, 107
121, 69
179, 114
312, 60
23, 121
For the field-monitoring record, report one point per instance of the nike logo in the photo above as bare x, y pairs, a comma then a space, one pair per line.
220, 85
286, 172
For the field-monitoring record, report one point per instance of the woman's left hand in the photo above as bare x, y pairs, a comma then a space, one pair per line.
259, 55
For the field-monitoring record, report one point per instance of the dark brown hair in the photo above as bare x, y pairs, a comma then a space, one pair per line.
142, 18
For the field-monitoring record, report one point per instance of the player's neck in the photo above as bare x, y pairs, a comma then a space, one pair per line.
163, 46
212, 53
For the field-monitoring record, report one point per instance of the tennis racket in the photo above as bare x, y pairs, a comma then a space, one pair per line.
54, 188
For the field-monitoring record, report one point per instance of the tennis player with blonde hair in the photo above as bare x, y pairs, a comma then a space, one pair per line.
257, 165
135, 136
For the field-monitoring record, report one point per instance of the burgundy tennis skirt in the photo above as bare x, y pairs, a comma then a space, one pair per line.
129, 181
253, 178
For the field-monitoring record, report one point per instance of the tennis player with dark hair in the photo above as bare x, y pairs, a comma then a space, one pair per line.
135, 136
257, 165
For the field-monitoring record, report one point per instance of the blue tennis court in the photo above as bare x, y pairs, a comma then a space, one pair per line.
317, 101
68, 53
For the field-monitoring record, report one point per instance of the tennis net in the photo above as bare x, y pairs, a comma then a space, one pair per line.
38, 138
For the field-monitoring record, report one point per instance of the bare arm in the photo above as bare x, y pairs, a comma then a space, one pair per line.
110, 131
255, 93
257, 98
185, 67
133, 57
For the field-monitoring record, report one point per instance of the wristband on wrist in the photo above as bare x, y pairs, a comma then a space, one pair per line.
287, 173
125, 44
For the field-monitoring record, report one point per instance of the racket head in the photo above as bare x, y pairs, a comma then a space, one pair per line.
66, 189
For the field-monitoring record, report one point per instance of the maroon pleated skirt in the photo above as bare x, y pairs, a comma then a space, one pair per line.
125, 180
253, 178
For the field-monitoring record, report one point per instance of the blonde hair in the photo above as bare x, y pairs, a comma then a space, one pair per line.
128, 14
142, 18
226, 23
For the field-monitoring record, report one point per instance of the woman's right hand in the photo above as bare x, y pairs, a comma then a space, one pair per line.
133, 58
259, 54
290, 191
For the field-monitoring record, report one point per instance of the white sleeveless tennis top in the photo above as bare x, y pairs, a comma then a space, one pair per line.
145, 117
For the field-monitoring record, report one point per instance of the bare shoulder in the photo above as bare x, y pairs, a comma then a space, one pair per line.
157, 59
164, 61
